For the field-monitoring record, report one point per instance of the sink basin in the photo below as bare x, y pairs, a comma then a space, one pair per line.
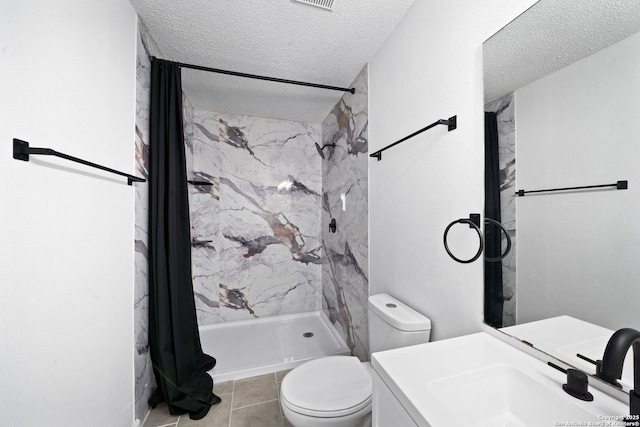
501, 395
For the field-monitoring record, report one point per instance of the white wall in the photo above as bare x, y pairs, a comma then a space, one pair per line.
67, 81
578, 252
430, 69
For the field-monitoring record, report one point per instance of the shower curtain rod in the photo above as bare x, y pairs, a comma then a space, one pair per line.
257, 77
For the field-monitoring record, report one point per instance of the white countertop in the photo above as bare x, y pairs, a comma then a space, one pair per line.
563, 337
412, 374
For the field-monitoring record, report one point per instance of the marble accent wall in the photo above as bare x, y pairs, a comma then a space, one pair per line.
188, 131
345, 270
144, 380
505, 111
258, 221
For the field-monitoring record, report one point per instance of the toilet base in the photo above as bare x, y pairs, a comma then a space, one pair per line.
359, 419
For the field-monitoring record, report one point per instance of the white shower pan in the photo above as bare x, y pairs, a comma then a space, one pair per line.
253, 347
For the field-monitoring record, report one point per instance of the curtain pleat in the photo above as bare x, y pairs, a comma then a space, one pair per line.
493, 296
179, 364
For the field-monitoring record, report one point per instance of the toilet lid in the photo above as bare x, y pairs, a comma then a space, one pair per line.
328, 386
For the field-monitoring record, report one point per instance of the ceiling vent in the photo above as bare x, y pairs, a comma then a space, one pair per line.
324, 4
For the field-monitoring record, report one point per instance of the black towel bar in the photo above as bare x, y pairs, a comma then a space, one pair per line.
21, 151
451, 124
620, 185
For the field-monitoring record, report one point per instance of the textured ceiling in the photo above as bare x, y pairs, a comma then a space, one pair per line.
277, 38
551, 35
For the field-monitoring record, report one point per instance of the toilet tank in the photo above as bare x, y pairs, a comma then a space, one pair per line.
393, 324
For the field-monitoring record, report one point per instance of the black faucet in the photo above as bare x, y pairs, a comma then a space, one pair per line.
613, 359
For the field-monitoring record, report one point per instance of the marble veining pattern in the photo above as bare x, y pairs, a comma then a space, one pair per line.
505, 111
205, 224
345, 275
144, 380
261, 215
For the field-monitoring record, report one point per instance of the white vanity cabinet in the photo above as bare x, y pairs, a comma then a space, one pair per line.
387, 409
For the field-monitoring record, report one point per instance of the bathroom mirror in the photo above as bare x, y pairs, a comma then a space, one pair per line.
563, 80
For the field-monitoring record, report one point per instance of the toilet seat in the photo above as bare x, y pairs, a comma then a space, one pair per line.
328, 387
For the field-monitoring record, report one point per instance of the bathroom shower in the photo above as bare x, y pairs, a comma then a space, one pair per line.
320, 150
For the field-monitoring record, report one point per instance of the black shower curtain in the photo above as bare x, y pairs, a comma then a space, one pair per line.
179, 364
493, 296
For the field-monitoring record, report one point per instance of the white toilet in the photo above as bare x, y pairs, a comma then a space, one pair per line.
336, 391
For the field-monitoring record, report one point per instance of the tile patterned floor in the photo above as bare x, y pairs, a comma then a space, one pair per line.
250, 402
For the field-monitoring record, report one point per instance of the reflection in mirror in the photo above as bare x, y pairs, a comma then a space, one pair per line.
562, 94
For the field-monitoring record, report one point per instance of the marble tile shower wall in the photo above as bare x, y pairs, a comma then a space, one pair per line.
144, 381
505, 110
345, 275
258, 220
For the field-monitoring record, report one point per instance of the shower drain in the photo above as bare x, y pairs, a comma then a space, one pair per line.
307, 334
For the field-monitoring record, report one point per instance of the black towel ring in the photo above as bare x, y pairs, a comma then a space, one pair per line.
472, 224
506, 234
